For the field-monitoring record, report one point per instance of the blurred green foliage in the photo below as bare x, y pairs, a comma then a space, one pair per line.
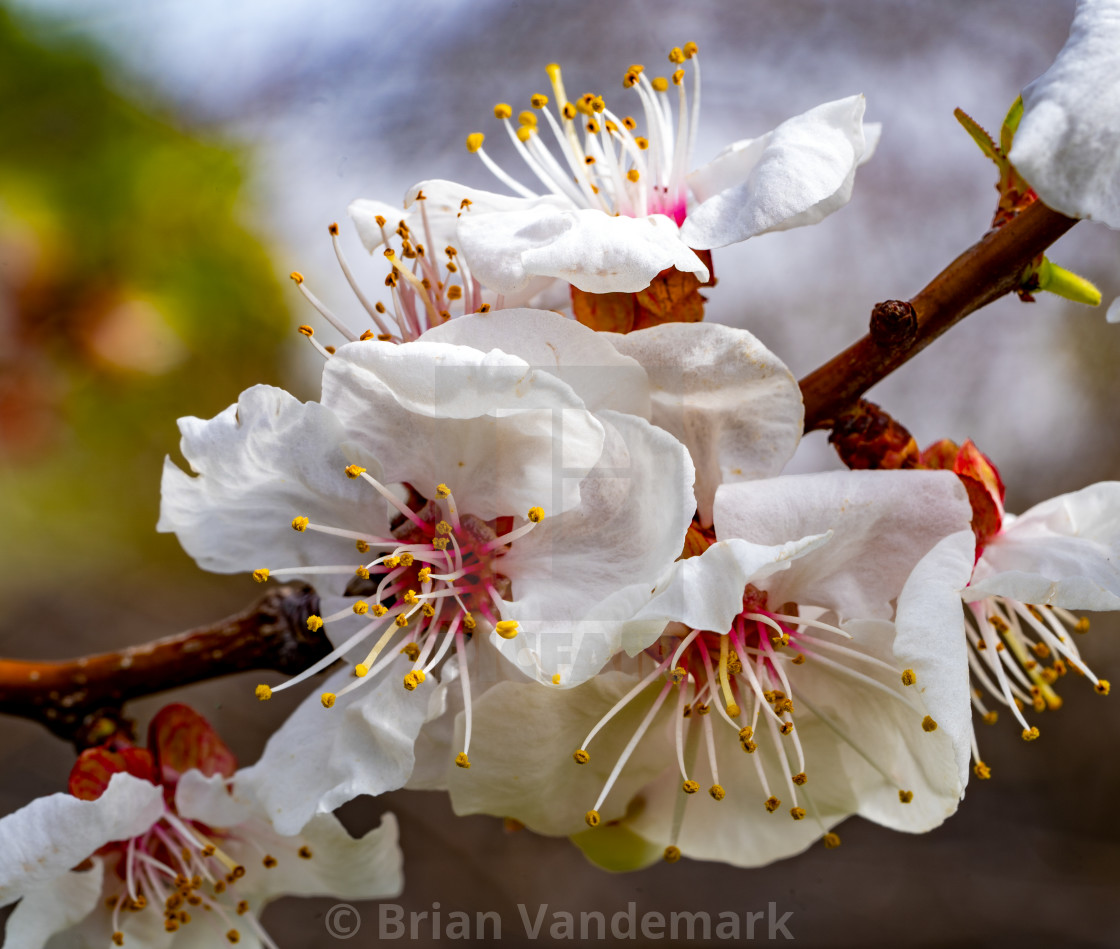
131, 292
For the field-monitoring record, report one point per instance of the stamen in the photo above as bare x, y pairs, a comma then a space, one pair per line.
342, 328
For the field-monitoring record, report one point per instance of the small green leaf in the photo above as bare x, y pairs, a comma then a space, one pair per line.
1065, 283
1010, 125
979, 136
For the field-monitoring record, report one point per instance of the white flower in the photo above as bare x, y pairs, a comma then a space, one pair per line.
615, 209
1061, 555
1067, 145
820, 633
171, 859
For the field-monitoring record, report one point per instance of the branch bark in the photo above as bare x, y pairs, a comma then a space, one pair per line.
992, 267
80, 700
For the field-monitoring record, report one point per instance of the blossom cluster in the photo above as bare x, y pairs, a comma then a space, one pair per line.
564, 577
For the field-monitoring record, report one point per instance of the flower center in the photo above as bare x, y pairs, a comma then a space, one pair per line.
177, 865
603, 164
1017, 652
424, 592
747, 675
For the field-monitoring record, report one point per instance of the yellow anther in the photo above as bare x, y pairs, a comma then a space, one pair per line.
304, 330
597, 104
361, 607
401, 620
413, 679
982, 771
592, 818
327, 698
800, 778
269, 861
702, 708
524, 133
629, 123
581, 756
799, 659
538, 101
366, 335
797, 813
641, 142
411, 598
630, 79
330, 350
506, 628
485, 308
909, 677
412, 650
831, 841
379, 609
690, 787
1102, 687
304, 852
428, 610
990, 718
261, 574
746, 733
1038, 703
998, 624
785, 728
354, 471
462, 761
589, 160
678, 77
536, 514
424, 575
296, 276
749, 747
233, 936
906, 796
1041, 650
243, 905
362, 572
263, 692
678, 674
717, 792
443, 528
569, 111
361, 669
690, 50
660, 84
1082, 625
391, 562
633, 175
469, 623
503, 110
672, 854
474, 142
556, 678
928, 724
361, 546
592, 127
772, 804
300, 524
1030, 734
527, 119
314, 623
676, 55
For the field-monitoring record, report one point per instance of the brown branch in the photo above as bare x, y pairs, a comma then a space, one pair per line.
986, 271
80, 699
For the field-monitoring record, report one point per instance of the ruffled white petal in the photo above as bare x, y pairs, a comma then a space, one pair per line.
1063, 552
579, 576
589, 249
731, 401
600, 375
321, 758
52, 834
1067, 145
364, 213
257, 465
930, 639
883, 523
797, 174
54, 905
498, 432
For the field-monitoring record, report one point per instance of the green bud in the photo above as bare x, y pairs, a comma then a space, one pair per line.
1065, 283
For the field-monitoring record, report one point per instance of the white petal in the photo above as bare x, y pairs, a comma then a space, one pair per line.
1113, 314
1063, 552
798, 174
600, 375
1067, 145
589, 249
52, 906
503, 436
446, 198
209, 799
321, 758
578, 576
52, 834
883, 523
259, 464
930, 639
731, 401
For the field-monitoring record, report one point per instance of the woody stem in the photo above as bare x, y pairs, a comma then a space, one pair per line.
80, 699
992, 267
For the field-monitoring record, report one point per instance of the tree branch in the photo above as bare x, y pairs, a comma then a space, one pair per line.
80, 699
986, 271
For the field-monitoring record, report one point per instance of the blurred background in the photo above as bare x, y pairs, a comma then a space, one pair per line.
164, 166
